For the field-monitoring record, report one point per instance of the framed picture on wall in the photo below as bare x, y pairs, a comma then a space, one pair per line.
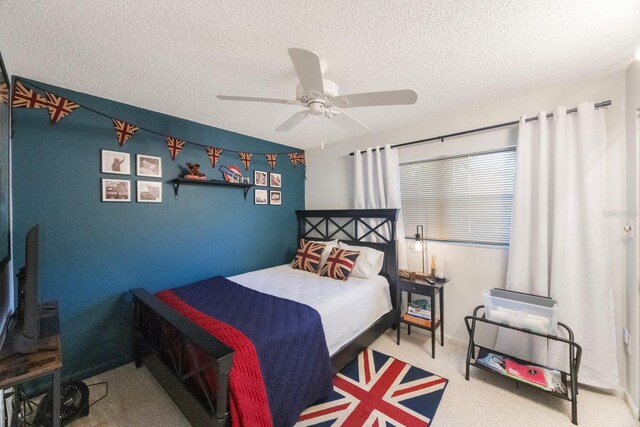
116, 190
275, 197
115, 162
149, 191
260, 178
275, 180
260, 197
148, 166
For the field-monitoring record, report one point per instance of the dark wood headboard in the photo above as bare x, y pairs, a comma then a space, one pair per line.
375, 228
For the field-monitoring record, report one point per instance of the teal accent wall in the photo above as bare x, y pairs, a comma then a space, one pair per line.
94, 252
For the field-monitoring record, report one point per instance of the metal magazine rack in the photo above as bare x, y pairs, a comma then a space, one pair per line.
476, 352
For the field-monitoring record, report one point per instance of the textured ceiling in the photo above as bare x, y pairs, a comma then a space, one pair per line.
174, 56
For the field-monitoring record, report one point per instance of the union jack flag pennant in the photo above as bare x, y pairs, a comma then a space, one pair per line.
24, 97
59, 107
378, 390
271, 159
300, 158
214, 155
4, 93
175, 145
340, 264
246, 159
124, 131
294, 159
308, 256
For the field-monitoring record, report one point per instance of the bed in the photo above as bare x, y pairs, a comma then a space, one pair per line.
193, 366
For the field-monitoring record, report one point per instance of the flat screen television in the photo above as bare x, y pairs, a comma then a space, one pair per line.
23, 331
6, 279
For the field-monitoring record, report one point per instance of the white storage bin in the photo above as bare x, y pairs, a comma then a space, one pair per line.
538, 314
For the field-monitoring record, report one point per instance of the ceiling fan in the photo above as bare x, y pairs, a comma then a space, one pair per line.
321, 98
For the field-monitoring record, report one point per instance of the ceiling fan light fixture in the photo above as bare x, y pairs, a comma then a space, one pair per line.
320, 95
316, 108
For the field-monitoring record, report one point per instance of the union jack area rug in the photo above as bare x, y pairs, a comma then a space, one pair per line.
379, 391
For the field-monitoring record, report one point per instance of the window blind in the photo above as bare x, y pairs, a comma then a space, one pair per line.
461, 199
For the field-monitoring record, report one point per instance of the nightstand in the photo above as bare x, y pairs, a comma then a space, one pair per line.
422, 287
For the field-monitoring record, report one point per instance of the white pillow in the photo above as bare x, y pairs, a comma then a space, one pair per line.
368, 264
329, 244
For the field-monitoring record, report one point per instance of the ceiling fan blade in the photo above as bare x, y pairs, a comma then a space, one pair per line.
255, 99
293, 121
345, 120
309, 70
369, 99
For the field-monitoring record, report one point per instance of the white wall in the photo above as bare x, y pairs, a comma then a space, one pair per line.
633, 290
475, 268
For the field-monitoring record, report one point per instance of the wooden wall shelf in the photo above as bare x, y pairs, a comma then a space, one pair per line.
211, 182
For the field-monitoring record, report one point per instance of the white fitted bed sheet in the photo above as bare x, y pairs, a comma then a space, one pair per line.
346, 308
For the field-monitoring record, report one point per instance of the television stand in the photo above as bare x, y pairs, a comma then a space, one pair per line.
18, 368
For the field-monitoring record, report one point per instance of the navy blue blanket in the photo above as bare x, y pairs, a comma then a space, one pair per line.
287, 336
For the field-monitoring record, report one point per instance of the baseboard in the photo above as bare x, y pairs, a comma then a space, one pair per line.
635, 413
98, 369
456, 341
41, 386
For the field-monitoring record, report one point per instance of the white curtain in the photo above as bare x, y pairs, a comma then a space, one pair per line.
377, 186
559, 245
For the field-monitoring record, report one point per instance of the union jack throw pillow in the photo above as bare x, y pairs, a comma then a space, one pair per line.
340, 264
308, 256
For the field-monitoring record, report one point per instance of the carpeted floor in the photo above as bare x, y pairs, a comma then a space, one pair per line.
136, 399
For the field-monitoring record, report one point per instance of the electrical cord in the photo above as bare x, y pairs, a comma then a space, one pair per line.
23, 408
106, 391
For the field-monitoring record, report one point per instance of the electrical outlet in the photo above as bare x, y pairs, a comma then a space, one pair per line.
626, 337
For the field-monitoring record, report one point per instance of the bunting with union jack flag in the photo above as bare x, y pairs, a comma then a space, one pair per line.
175, 145
23, 97
59, 107
214, 155
340, 263
378, 390
300, 158
245, 157
294, 159
4, 93
308, 256
271, 159
124, 131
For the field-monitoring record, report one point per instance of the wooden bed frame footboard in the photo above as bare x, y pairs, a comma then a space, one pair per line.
183, 357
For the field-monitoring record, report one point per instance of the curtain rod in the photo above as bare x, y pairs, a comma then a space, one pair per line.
482, 129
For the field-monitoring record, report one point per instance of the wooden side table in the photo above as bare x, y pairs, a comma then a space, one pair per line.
19, 368
422, 287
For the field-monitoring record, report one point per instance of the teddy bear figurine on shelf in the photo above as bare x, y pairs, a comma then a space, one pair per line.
194, 171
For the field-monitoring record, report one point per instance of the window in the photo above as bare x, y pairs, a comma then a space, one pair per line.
460, 199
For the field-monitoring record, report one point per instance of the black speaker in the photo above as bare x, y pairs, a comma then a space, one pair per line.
74, 404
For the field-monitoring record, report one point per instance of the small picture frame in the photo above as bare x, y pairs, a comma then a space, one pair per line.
275, 180
150, 166
275, 197
260, 178
115, 162
149, 191
260, 197
116, 190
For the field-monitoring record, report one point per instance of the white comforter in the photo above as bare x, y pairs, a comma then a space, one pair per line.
346, 308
